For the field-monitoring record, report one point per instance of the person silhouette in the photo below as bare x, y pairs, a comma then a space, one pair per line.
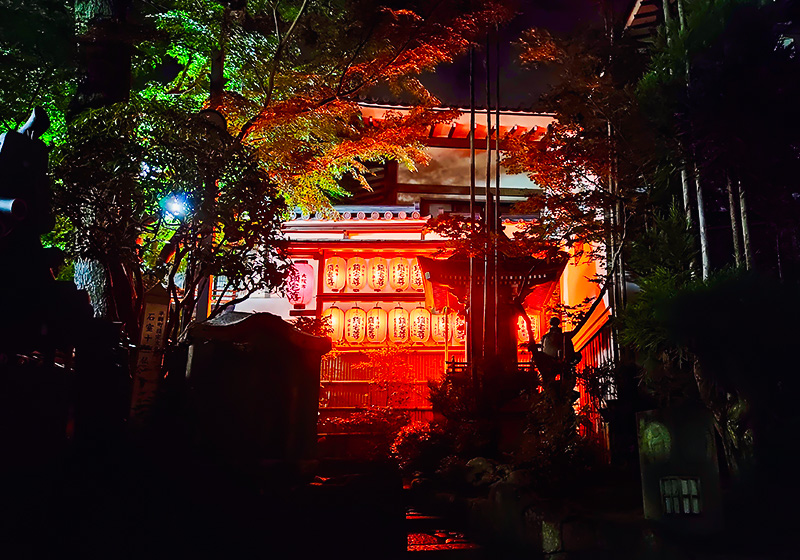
559, 366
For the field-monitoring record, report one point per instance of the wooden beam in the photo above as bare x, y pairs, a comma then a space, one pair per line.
372, 296
459, 189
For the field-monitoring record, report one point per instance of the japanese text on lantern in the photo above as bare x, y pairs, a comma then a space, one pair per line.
376, 325
335, 268
300, 284
398, 325
377, 273
419, 328
459, 326
400, 328
420, 319
399, 274
356, 273
439, 330
416, 275
355, 321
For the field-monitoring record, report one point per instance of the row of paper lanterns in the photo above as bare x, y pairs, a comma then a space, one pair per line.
398, 273
300, 290
398, 325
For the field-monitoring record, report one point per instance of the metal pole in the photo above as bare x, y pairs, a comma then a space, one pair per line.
488, 212
497, 226
446, 335
471, 323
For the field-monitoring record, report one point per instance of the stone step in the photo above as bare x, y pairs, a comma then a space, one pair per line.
464, 551
430, 535
419, 522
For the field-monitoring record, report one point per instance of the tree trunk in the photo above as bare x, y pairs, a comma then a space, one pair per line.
91, 275
718, 407
687, 208
105, 56
681, 15
748, 253
217, 76
701, 226
667, 19
737, 246
104, 52
687, 202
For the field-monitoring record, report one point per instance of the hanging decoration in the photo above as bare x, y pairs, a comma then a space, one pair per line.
300, 285
420, 324
399, 274
377, 320
416, 276
522, 330
356, 273
355, 324
458, 324
398, 325
378, 273
439, 329
334, 274
336, 318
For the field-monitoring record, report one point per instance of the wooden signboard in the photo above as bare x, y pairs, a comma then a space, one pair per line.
150, 351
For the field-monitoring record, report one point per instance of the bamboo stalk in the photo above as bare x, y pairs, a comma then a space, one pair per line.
701, 225
735, 226
748, 253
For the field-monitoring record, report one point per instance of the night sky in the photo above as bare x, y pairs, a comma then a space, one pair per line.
520, 87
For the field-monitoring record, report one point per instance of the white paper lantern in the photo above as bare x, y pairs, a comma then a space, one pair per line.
378, 273
522, 330
355, 325
439, 329
300, 284
458, 326
336, 322
377, 321
334, 273
398, 325
416, 276
399, 274
420, 324
356, 273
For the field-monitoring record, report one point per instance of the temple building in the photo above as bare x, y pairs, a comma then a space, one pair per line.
396, 306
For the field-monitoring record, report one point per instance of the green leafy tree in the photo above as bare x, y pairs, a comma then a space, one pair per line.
37, 56
726, 63
248, 110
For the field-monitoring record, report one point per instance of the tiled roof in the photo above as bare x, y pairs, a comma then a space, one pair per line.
513, 123
365, 213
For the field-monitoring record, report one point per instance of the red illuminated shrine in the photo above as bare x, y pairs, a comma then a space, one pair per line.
395, 306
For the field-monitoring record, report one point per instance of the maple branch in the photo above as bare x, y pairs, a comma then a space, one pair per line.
275, 63
375, 75
275, 20
349, 63
219, 308
279, 50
